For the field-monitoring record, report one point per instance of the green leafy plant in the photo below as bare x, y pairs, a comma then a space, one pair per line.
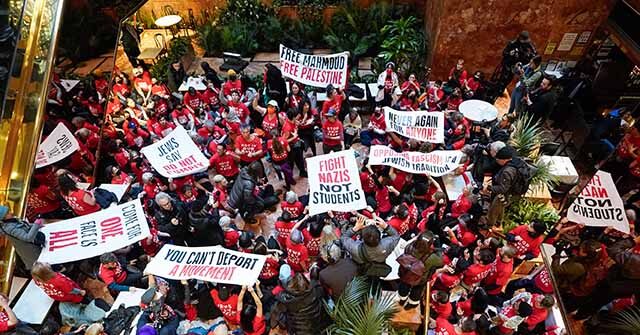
404, 43
527, 137
239, 37
624, 322
178, 47
524, 211
362, 310
210, 38
244, 11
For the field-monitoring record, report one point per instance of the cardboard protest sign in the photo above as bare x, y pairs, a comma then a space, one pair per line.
176, 155
34, 304
334, 183
599, 205
314, 70
419, 125
436, 163
94, 234
57, 146
213, 264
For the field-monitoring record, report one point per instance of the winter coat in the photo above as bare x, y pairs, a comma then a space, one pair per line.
163, 217
242, 195
22, 235
507, 177
305, 312
206, 230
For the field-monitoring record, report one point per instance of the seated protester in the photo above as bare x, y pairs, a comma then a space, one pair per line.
411, 283
457, 133
481, 267
500, 272
382, 196
411, 84
290, 133
43, 202
297, 252
204, 227
224, 162
539, 281
56, 285
161, 125
400, 220
312, 237
458, 75
332, 133
214, 134
236, 106
376, 132
151, 186
435, 94
293, 205
172, 218
301, 304
372, 248
296, 96
88, 137
157, 316
283, 227
270, 118
219, 196
193, 100
352, 125
176, 184
233, 83
338, 272
335, 98
435, 217
527, 239
450, 276
476, 303
367, 180
116, 276
248, 147
187, 195
472, 85
269, 273
463, 234
541, 304
182, 116
81, 202
226, 302
514, 312
134, 135
159, 89
453, 101
408, 101
142, 83
388, 86
117, 176
464, 202
251, 318
440, 305
211, 99
8, 319
231, 233
442, 326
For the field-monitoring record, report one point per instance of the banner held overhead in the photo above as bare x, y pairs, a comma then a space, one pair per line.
314, 70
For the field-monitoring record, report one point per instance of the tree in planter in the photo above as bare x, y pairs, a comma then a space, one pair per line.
178, 47
404, 44
363, 310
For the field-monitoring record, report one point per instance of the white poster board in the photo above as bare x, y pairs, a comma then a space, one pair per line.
33, 305
57, 146
176, 155
420, 125
314, 70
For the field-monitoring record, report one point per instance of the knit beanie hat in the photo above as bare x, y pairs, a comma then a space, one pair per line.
505, 153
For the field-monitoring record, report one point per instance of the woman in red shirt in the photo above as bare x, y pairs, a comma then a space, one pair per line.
279, 151
81, 202
306, 119
270, 118
290, 133
248, 146
250, 317
42, 201
56, 285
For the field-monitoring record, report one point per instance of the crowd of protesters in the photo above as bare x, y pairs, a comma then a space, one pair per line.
249, 201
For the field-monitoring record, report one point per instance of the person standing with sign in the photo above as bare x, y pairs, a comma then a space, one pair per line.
332, 133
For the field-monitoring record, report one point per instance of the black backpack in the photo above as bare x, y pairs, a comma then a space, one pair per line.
526, 172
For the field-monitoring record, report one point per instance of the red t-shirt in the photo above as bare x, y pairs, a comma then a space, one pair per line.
4, 322
312, 243
144, 81
228, 307
231, 238
239, 109
378, 122
297, 256
270, 269
295, 209
252, 146
543, 281
269, 123
259, 326
108, 276
332, 129
368, 185
335, 103
76, 201
383, 200
527, 244
224, 165
229, 86
400, 225
443, 310
288, 128
41, 200
278, 158
460, 206
624, 149
123, 89
538, 315
475, 273
210, 96
59, 288
444, 327
449, 281
193, 100
499, 275
284, 230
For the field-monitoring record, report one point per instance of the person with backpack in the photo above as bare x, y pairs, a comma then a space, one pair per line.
508, 184
530, 78
417, 264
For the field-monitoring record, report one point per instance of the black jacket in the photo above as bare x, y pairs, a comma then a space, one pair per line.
242, 195
163, 217
505, 180
305, 312
206, 230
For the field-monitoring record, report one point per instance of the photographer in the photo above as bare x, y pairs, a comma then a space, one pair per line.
157, 314
519, 50
530, 77
510, 182
372, 250
483, 159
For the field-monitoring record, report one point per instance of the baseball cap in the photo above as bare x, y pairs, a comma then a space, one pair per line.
272, 103
331, 112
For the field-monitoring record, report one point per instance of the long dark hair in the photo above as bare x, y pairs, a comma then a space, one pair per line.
66, 184
278, 148
246, 317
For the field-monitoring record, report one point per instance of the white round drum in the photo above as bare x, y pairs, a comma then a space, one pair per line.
478, 110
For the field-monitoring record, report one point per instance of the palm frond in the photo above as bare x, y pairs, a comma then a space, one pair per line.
626, 321
543, 174
527, 137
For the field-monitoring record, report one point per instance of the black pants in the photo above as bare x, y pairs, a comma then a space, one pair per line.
327, 148
414, 293
306, 135
296, 157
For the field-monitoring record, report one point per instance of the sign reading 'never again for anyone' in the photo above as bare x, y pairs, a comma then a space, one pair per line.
94, 234
176, 155
213, 264
57, 146
435, 163
599, 205
334, 183
314, 70
419, 125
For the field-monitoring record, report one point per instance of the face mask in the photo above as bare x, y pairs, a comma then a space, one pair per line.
389, 71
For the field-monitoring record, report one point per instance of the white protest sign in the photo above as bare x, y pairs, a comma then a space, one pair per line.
314, 70
57, 146
94, 234
436, 163
176, 155
599, 204
33, 305
128, 299
214, 264
334, 183
419, 125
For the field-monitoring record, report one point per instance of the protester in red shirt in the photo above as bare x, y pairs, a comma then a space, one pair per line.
56, 285
305, 120
435, 94
284, 226
224, 163
332, 133
541, 304
400, 221
81, 202
233, 83
120, 87
501, 271
270, 117
182, 116
458, 74
334, 101
42, 201
440, 305
160, 89
163, 127
527, 239
250, 317
313, 237
211, 96
411, 84
115, 276
237, 107
292, 205
248, 146
193, 100
480, 268
8, 319
297, 252
279, 150
226, 302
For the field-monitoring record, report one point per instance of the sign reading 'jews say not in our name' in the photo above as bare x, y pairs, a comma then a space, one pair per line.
176, 155
334, 183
